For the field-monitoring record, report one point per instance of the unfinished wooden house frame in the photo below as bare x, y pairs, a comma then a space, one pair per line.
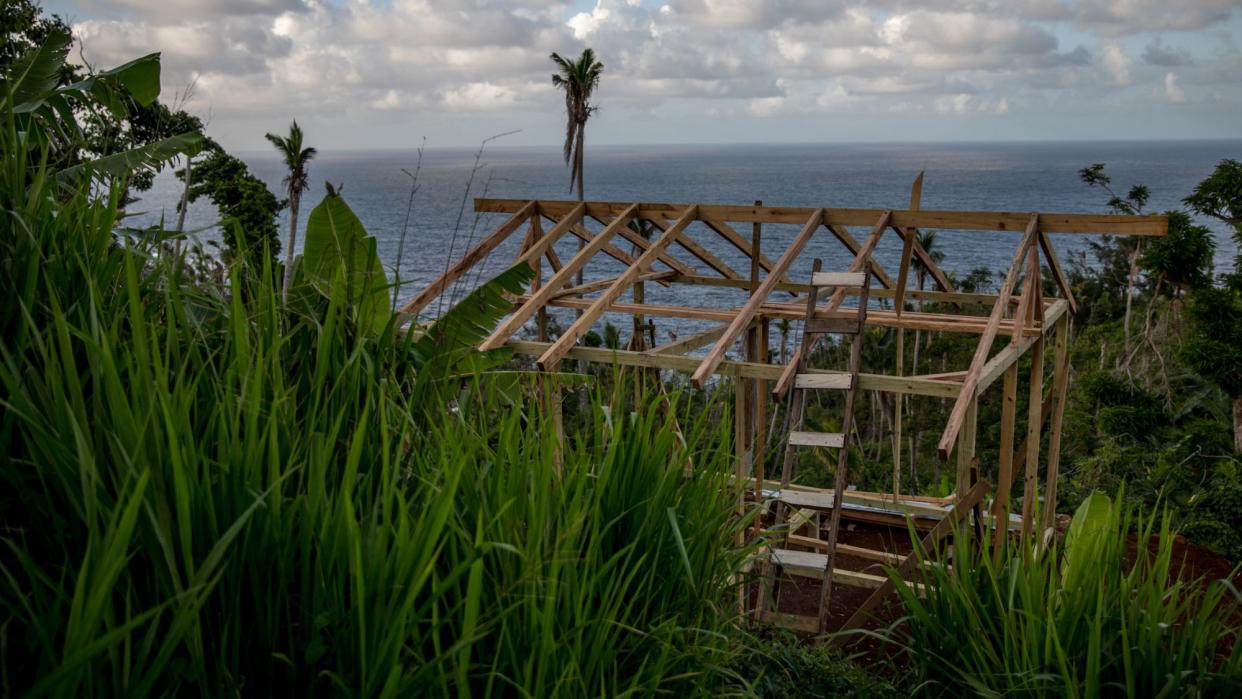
1021, 321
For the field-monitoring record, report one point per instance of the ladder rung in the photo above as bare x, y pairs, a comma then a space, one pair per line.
855, 279
833, 440
840, 381
847, 326
793, 622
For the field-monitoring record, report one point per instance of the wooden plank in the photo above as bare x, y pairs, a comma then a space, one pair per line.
827, 440
825, 381
744, 317
1058, 274
1112, 224
958, 297
470, 259
958, 414
847, 550
1004, 483
852, 279
550, 359
945, 526
832, 326
822, 500
539, 298
1060, 384
1030, 485
691, 343
593, 286
808, 564
866, 382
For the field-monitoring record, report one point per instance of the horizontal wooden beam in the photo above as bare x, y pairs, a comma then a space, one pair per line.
1014, 221
754, 370
942, 296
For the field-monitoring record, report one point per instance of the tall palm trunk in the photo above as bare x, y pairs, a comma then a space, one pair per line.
294, 201
1237, 424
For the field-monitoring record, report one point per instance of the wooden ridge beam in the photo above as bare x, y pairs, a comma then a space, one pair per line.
744, 317
1111, 224
552, 358
470, 259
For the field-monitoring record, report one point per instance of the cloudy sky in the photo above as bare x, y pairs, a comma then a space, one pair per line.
386, 73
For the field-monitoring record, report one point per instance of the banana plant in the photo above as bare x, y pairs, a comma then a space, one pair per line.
44, 112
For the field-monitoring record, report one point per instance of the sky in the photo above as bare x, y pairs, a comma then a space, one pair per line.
389, 73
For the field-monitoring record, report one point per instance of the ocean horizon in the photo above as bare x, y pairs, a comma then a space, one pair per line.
1002, 176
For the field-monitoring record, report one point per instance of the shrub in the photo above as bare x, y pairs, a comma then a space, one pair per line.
1098, 615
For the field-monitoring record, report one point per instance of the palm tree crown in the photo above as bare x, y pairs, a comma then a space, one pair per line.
578, 78
296, 158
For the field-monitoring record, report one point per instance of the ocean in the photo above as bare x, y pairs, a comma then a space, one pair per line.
987, 176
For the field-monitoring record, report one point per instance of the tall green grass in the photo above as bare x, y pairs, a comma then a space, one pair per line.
1098, 615
203, 492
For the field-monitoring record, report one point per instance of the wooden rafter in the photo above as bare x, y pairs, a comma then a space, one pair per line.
540, 297
1054, 264
706, 256
550, 359
851, 243
689, 344
743, 318
958, 415
642, 244
470, 259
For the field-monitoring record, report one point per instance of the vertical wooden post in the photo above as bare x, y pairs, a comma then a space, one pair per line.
1029, 485
740, 434
541, 318
966, 447
761, 411
1060, 382
757, 352
1000, 505
899, 303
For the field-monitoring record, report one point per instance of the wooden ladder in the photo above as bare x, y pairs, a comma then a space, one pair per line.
817, 324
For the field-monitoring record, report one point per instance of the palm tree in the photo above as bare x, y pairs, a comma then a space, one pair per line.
578, 79
296, 158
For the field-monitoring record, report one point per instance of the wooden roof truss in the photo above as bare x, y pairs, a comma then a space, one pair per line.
1019, 313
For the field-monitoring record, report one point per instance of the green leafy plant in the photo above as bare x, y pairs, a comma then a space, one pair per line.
1107, 612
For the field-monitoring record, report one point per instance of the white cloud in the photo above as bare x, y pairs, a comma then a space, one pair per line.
1117, 64
361, 61
1172, 91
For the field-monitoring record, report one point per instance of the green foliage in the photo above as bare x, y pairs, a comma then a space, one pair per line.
783, 667
1183, 258
205, 492
1096, 616
45, 112
1214, 346
339, 251
241, 198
